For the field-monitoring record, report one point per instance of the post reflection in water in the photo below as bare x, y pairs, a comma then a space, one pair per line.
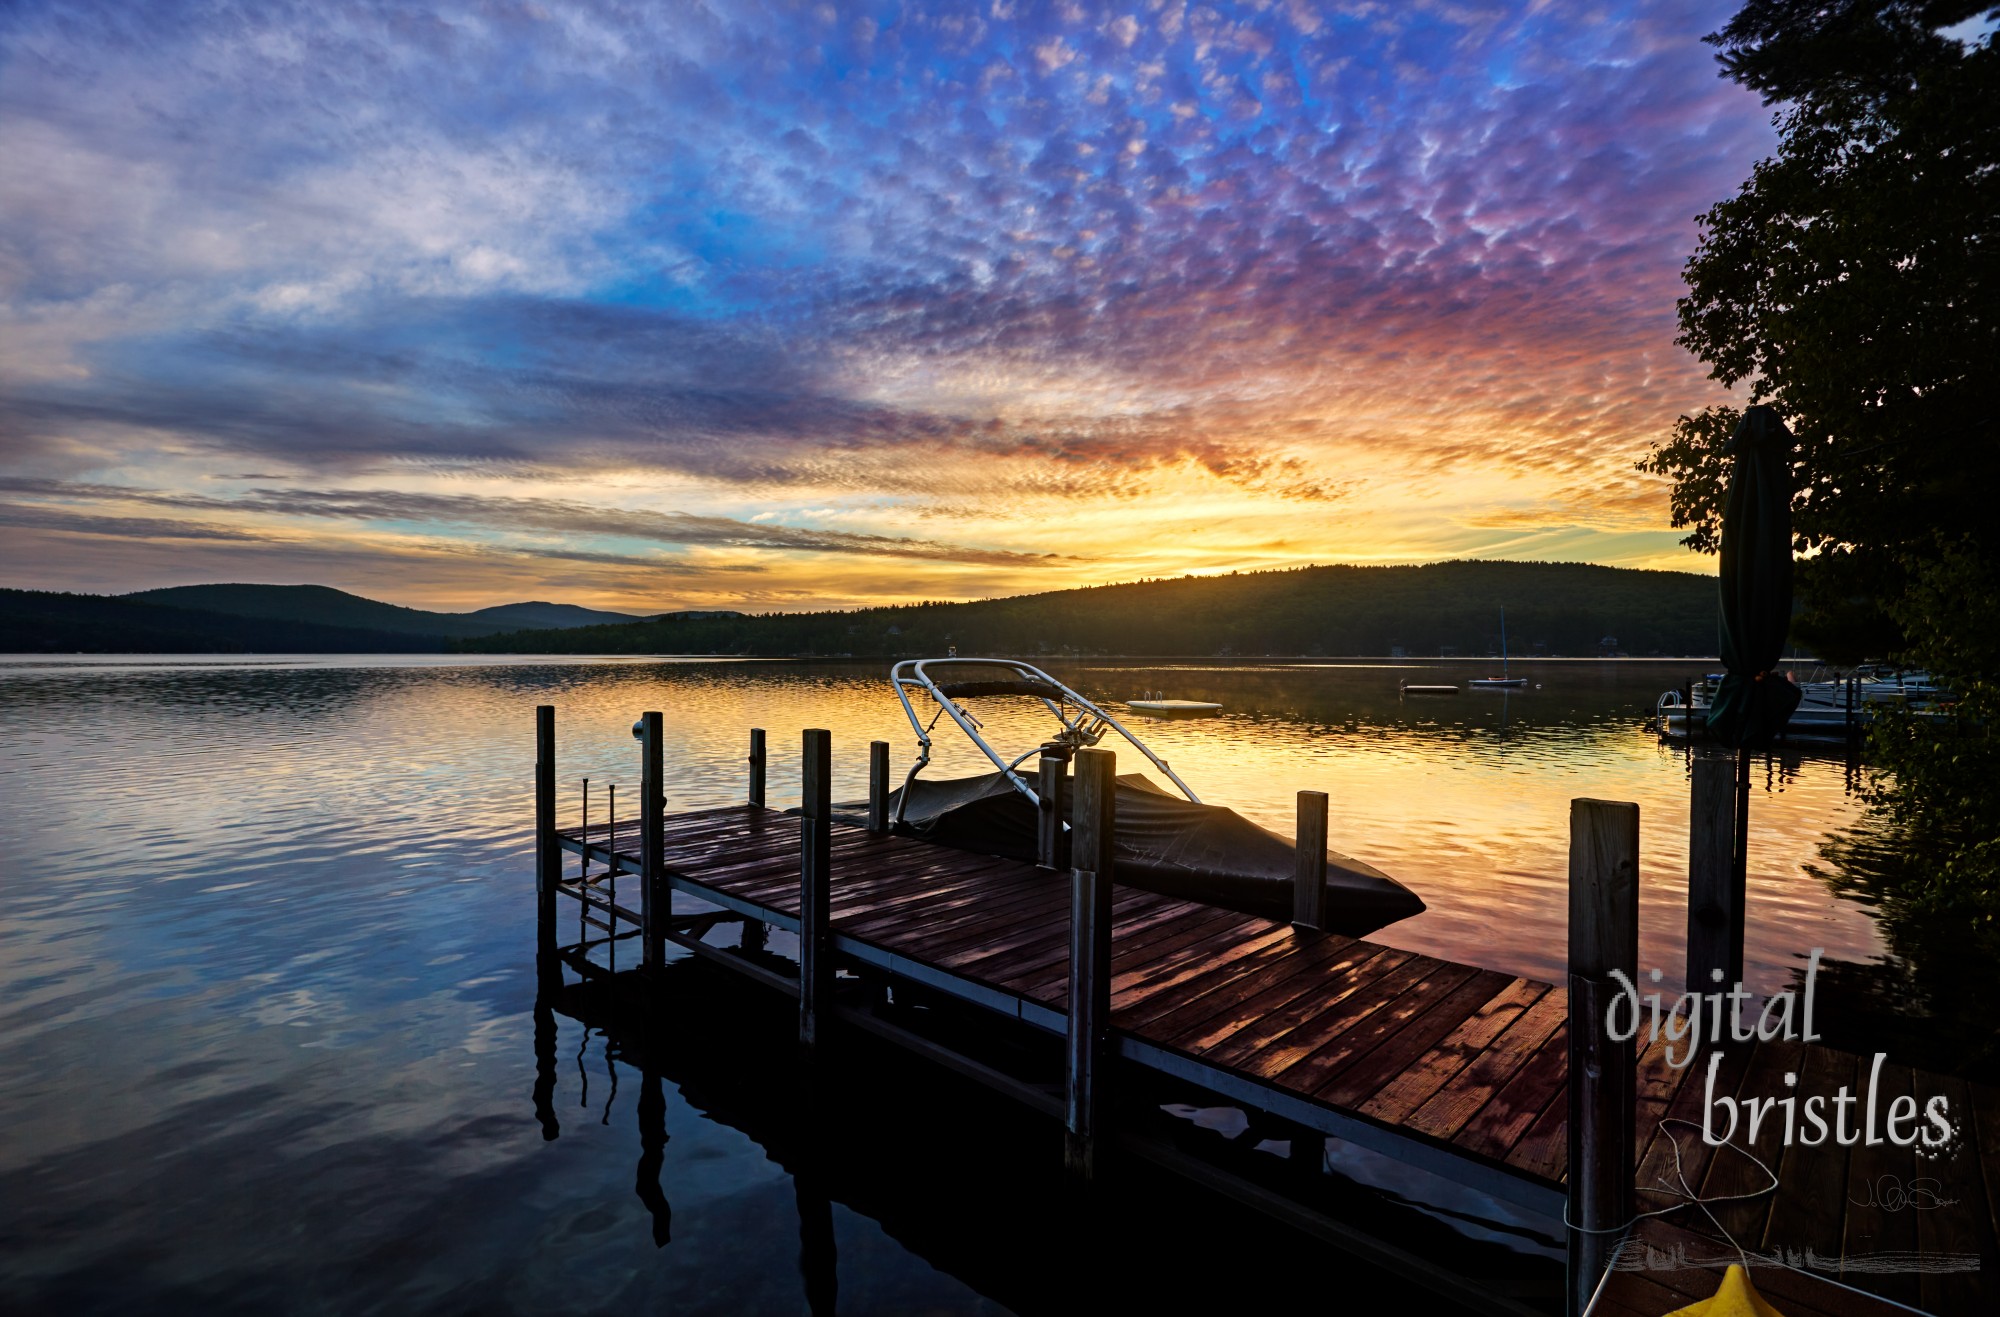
818, 1259
963, 1179
545, 1067
652, 1109
623, 1013
653, 1155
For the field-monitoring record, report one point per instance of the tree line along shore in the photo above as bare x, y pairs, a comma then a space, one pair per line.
1450, 608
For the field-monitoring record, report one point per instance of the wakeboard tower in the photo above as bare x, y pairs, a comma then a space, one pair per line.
1167, 840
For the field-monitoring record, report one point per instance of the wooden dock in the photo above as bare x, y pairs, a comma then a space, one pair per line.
1383, 1047
1455, 1070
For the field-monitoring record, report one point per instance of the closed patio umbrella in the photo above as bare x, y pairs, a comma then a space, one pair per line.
1754, 701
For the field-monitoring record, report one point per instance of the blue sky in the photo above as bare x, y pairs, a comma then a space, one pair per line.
780, 306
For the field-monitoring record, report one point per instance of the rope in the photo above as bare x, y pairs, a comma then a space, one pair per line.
1687, 1194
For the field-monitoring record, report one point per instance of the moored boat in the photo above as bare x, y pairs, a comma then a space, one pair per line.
1835, 709
1166, 839
1503, 681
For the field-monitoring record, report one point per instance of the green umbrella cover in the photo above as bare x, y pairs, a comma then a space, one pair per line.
1755, 701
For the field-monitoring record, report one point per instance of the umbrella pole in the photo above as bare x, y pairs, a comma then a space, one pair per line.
1741, 858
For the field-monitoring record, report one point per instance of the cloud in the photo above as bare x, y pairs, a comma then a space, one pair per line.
498, 514
1016, 258
136, 528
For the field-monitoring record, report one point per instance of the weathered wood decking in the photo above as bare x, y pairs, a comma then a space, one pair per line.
1459, 1060
1454, 1069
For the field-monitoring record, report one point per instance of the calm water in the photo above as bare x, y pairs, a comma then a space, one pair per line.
267, 1035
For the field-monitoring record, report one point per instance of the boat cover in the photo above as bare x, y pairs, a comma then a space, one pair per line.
1165, 844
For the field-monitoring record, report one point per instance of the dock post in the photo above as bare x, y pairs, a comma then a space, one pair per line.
1715, 889
1051, 837
1089, 958
1603, 936
878, 786
757, 767
815, 857
548, 856
654, 900
1309, 875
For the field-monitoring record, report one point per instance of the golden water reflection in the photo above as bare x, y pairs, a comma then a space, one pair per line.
1465, 799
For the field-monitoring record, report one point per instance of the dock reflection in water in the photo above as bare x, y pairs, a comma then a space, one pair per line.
965, 1181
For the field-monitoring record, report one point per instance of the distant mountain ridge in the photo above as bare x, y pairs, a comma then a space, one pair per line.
45, 622
260, 619
546, 616
1449, 607
322, 605
1576, 609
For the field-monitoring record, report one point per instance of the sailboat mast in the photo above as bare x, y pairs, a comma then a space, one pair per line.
1503, 643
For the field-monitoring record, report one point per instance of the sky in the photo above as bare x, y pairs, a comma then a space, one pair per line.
774, 307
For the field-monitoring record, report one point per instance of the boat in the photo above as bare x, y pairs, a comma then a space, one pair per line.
1836, 708
1503, 681
1408, 689
1154, 706
1166, 840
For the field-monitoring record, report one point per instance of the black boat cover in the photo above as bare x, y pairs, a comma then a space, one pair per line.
1165, 844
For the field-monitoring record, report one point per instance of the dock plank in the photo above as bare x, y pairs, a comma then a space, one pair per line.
1322, 1018
1345, 979
1191, 979
1358, 1038
1358, 1082
1812, 1214
1959, 1229
1874, 1225
1496, 1127
1675, 1159
1459, 1099
1230, 1004
1430, 1072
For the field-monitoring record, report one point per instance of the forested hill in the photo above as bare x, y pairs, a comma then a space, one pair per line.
46, 622
1552, 608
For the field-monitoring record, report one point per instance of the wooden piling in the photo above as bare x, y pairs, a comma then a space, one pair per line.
815, 856
1089, 957
548, 855
878, 786
654, 900
1715, 890
1051, 837
1309, 874
1603, 936
757, 766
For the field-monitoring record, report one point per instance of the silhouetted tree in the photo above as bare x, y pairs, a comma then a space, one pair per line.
1852, 283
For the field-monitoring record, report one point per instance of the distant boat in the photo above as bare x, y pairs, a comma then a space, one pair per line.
1503, 681
1408, 689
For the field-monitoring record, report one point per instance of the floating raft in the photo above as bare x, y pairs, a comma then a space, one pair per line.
1173, 708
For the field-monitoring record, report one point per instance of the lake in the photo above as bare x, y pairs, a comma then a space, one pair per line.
267, 1000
